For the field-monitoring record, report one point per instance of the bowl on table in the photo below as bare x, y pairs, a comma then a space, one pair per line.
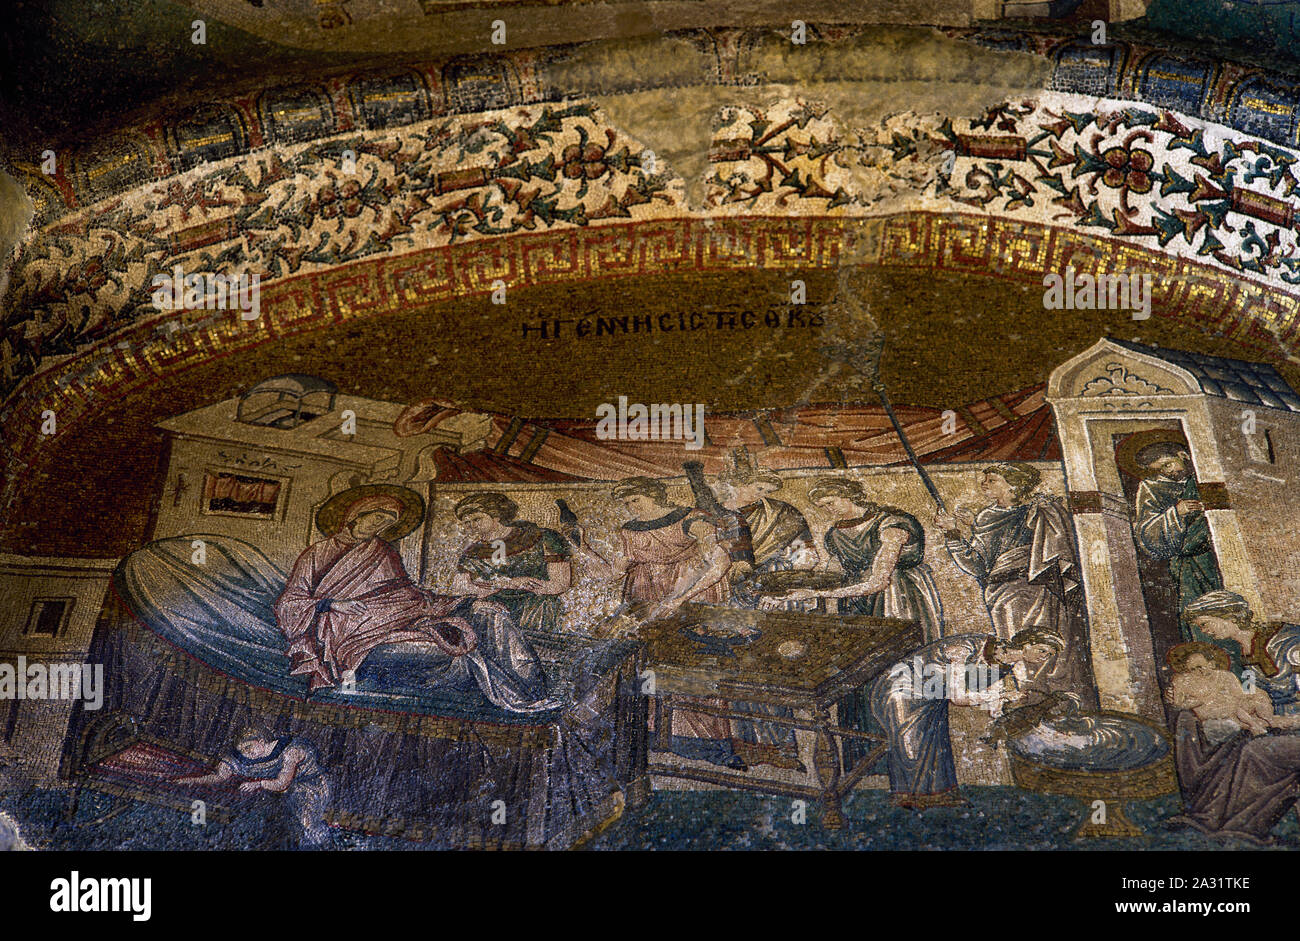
778, 583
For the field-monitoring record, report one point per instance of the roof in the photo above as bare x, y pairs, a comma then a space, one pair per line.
1235, 379
1012, 426
489, 466
1030, 438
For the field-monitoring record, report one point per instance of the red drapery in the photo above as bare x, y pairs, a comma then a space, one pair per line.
240, 489
1012, 426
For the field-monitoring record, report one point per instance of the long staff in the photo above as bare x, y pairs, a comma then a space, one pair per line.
907, 446
868, 361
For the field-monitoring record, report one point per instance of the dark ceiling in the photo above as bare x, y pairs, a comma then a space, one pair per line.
72, 68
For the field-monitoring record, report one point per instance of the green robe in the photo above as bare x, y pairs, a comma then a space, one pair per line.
528, 550
911, 594
1184, 542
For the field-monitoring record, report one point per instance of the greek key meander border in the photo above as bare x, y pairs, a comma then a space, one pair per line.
1251, 314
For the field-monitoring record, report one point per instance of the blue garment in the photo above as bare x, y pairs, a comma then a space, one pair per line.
222, 613
308, 795
920, 752
1283, 688
911, 594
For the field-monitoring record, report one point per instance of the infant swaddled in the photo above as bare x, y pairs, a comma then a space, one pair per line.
1203, 683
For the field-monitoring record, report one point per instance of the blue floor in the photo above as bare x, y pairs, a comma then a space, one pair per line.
997, 818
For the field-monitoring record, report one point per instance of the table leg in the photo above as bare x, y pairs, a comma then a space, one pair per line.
638, 792
1117, 823
70, 814
663, 722
826, 762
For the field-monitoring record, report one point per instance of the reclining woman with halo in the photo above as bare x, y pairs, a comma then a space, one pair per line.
349, 593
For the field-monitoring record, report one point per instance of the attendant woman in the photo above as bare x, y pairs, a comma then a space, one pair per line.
1270, 652
914, 714
1242, 787
779, 534
670, 555
513, 562
881, 551
782, 541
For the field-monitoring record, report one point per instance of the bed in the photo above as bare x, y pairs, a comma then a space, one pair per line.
191, 655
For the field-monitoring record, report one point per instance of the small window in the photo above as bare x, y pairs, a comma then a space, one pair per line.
240, 495
48, 617
1259, 448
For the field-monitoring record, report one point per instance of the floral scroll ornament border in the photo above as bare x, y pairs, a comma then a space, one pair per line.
1141, 176
381, 285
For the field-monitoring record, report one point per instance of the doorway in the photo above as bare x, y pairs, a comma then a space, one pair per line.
1160, 591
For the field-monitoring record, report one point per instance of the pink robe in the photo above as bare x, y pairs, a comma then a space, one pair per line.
659, 559
324, 643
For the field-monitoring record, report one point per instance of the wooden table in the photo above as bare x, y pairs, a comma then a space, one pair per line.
806, 661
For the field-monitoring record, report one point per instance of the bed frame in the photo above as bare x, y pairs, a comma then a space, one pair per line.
430, 778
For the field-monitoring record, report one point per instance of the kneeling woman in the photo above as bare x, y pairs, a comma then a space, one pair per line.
910, 702
349, 593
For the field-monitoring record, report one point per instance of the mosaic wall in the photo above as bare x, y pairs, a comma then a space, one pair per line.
354, 530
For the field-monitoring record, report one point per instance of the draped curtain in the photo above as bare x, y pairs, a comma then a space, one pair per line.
1013, 426
240, 489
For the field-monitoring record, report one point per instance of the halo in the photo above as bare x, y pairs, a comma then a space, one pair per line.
1126, 453
329, 518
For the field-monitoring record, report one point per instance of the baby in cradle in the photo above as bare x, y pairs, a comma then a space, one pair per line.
1203, 683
